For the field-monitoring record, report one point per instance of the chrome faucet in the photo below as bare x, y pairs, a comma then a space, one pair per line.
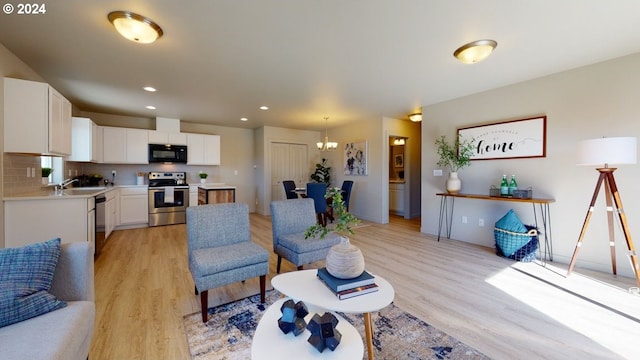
59, 189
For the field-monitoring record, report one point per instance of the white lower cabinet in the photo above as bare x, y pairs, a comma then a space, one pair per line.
396, 198
193, 195
134, 206
35, 220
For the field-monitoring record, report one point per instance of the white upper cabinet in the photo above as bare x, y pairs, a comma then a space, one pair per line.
37, 119
203, 149
167, 138
125, 146
83, 140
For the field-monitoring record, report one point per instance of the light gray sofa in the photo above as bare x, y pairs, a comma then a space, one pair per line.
66, 333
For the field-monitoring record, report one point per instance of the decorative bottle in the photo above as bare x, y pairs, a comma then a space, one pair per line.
504, 186
513, 185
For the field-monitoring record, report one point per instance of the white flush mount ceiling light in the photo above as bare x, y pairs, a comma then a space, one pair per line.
475, 51
417, 117
326, 145
149, 89
135, 27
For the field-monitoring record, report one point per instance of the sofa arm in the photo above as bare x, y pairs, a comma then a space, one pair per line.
73, 279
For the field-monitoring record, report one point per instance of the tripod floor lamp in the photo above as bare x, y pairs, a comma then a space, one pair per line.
608, 151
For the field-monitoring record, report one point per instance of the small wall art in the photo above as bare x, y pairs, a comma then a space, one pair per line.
524, 138
398, 160
355, 155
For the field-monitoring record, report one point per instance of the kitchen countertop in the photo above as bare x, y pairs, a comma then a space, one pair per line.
80, 192
215, 186
393, 181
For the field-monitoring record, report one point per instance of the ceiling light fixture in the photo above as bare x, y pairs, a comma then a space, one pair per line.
149, 88
150, 107
135, 27
475, 51
415, 117
244, 119
398, 141
263, 107
326, 145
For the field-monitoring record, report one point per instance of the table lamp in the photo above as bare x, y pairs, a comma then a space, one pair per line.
602, 153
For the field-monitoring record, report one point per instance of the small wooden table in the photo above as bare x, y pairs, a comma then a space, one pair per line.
545, 214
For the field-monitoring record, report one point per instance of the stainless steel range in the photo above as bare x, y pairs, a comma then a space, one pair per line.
168, 198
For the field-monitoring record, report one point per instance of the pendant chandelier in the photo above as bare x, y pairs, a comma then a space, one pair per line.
326, 145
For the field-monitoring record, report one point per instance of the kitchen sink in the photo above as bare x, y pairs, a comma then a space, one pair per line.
80, 191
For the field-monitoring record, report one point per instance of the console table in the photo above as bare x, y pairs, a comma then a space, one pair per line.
446, 214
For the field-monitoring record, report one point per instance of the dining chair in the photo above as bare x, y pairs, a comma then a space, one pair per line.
289, 189
220, 250
316, 191
347, 185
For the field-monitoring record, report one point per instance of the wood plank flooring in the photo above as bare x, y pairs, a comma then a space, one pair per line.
505, 309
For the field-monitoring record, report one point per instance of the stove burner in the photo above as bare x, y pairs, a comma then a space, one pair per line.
159, 179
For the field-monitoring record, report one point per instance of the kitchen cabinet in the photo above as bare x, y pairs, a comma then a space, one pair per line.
111, 217
396, 198
125, 145
216, 195
30, 221
193, 195
37, 119
161, 137
134, 206
83, 140
203, 149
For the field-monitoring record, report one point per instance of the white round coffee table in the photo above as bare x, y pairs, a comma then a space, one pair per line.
269, 342
305, 286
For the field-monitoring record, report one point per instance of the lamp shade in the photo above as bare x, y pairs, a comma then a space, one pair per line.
608, 151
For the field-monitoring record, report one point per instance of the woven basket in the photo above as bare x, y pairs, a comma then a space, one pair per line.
527, 252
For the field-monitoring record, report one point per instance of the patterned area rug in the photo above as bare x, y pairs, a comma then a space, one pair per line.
398, 335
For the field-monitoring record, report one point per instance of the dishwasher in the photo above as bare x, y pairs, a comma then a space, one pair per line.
100, 223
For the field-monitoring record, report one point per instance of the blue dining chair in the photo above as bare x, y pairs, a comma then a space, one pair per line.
347, 185
289, 189
316, 192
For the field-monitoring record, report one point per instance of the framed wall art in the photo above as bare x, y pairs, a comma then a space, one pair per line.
355, 158
398, 160
524, 138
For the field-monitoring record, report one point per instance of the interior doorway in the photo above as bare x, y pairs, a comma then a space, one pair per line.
399, 185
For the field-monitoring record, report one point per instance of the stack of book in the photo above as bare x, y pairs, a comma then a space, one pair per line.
348, 288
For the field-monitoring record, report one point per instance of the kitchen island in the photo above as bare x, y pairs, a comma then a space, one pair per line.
216, 194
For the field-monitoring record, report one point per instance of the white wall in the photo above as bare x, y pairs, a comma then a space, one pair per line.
589, 102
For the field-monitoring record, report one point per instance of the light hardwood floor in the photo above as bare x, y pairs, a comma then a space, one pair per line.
505, 309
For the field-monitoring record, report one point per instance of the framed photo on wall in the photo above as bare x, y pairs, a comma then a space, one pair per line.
524, 138
398, 161
355, 158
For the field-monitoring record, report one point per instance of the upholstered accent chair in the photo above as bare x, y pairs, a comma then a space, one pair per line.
290, 218
220, 249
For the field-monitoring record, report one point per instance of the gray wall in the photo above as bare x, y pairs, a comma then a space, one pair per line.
584, 103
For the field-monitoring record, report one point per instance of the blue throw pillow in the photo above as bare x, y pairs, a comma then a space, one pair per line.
510, 243
26, 274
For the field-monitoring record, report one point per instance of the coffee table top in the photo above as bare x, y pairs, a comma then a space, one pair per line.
269, 342
304, 285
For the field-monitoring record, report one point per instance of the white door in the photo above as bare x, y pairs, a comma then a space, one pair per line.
288, 162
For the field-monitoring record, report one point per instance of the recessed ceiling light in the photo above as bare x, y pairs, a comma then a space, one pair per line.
135, 27
149, 89
244, 119
150, 107
264, 107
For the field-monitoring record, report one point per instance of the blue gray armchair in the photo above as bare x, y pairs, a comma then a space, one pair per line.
220, 249
290, 218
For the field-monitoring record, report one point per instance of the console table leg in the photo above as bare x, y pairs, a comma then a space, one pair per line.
368, 330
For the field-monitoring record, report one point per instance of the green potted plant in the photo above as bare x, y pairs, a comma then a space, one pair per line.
322, 173
344, 261
456, 157
203, 177
46, 171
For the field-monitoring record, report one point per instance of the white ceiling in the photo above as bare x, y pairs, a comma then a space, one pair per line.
307, 59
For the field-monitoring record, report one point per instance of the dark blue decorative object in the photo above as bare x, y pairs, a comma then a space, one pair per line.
292, 319
323, 332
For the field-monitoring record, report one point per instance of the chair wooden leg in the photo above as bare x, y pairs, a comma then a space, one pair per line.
204, 303
263, 280
278, 264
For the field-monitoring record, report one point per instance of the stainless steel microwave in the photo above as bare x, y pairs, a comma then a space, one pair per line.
159, 153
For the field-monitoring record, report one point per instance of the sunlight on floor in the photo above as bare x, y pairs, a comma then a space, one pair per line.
613, 331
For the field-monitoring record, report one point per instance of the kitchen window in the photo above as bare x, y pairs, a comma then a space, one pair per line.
57, 164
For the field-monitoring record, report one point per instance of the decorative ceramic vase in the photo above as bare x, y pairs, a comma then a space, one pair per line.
345, 261
45, 180
453, 183
203, 181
